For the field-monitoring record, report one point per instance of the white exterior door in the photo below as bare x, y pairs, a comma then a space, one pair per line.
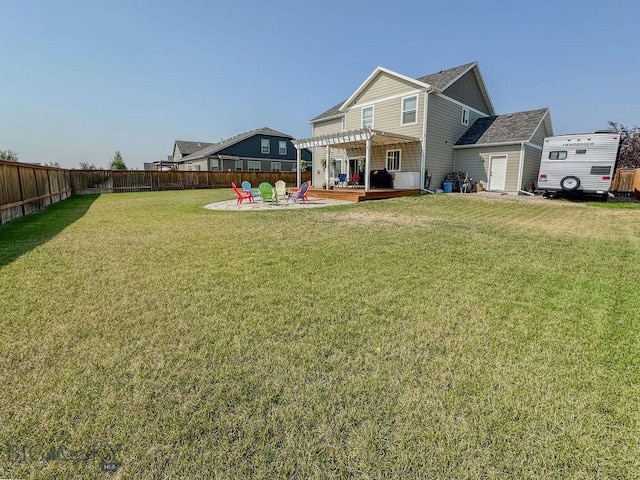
498, 172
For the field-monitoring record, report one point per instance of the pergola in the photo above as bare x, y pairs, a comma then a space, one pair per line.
366, 138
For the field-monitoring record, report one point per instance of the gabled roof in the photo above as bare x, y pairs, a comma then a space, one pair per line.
444, 78
515, 127
216, 147
373, 75
332, 112
187, 148
439, 81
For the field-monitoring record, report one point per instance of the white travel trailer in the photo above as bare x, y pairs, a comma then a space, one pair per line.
580, 163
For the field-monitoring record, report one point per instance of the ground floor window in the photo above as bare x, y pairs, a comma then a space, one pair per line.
238, 165
253, 166
276, 166
214, 164
393, 160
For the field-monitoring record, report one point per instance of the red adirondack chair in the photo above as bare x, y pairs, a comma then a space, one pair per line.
241, 194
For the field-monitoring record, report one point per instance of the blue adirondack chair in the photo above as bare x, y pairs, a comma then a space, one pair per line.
246, 186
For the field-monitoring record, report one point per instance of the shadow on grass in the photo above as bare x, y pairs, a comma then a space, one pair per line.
25, 233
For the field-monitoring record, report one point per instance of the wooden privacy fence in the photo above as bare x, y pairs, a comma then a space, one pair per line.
113, 181
28, 188
626, 182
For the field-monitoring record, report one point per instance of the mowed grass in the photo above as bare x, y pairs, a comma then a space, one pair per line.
428, 337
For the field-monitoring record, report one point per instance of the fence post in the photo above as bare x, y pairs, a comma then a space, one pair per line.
35, 180
21, 194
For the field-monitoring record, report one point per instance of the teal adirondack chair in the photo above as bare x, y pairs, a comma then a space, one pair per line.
267, 192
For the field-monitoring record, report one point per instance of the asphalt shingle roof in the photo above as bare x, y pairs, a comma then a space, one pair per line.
439, 80
511, 127
187, 148
216, 147
335, 110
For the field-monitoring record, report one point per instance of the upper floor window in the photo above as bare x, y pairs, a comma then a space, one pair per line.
282, 147
253, 166
465, 116
238, 165
409, 110
276, 166
265, 145
393, 160
367, 116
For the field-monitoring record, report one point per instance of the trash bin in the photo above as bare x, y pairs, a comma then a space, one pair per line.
447, 186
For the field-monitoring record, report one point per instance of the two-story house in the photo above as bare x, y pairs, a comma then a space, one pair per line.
420, 129
260, 150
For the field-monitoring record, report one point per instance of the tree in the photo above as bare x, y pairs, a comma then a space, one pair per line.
117, 163
629, 156
8, 156
86, 166
53, 164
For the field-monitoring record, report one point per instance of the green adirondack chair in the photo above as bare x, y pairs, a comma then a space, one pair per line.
267, 192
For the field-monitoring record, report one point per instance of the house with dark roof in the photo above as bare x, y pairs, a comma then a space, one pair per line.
183, 148
260, 150
408, 128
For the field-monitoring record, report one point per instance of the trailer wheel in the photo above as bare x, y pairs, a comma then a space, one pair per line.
570, 183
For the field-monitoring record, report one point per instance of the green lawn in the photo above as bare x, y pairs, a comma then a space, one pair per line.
426, 337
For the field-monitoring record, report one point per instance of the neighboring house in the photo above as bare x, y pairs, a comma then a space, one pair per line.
404, 125
182, 148
260, 150
504, 150
163, 165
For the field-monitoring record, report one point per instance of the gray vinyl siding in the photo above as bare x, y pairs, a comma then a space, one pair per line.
467, 90
196, 165
531, 167
176, 153
324, 128
477, 161
539, 134
443, 131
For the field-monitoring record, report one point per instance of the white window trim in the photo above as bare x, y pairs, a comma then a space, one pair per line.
282, 143
262, 145
251, 163
190, 166
279, 166
235, 165
373, 114
386, 160
403, 111
462, 115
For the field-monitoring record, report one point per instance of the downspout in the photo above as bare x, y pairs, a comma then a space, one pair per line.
423, 158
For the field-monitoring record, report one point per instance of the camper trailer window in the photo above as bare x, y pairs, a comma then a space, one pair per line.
581, 151
557, 155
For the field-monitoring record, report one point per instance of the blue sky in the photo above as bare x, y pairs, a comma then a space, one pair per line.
81, 80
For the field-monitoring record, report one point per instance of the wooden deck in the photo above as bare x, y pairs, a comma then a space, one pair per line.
359, 195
